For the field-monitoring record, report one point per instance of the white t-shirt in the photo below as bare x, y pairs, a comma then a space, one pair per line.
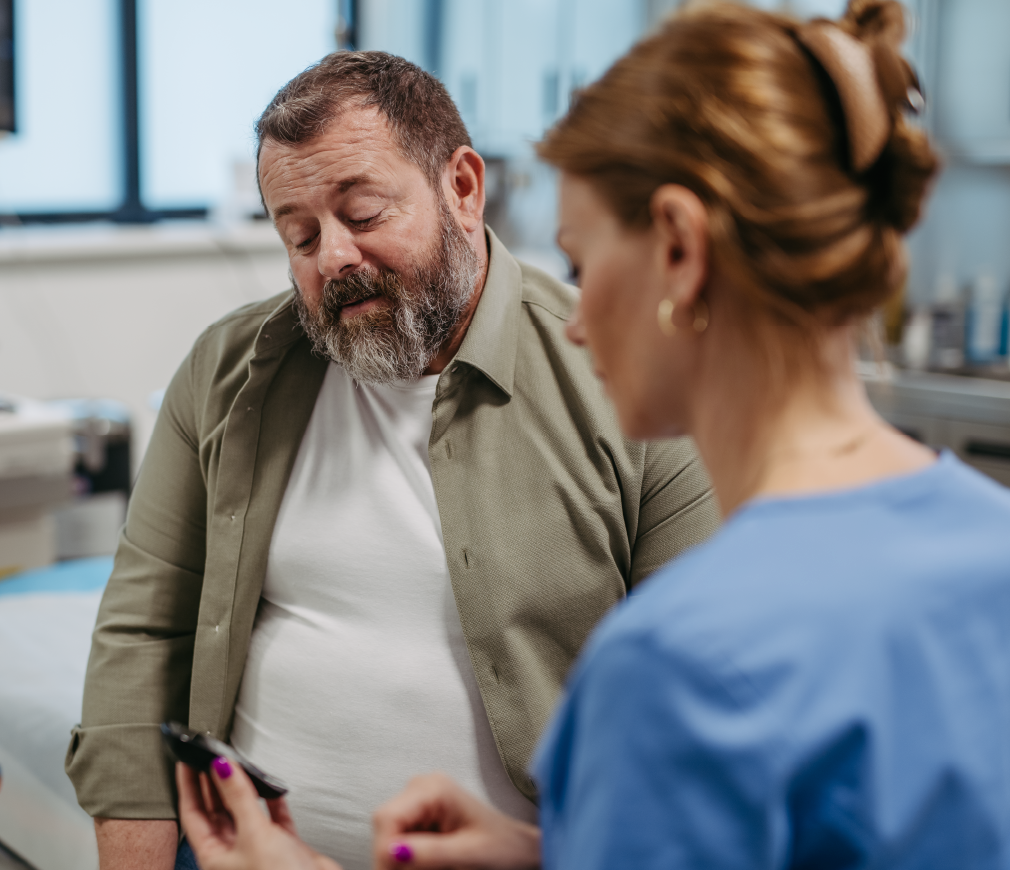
358, 675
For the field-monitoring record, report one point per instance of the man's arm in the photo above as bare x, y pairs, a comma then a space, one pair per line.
136, 844
678, 507
141, 655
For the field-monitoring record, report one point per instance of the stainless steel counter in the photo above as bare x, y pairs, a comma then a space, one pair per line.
969, 415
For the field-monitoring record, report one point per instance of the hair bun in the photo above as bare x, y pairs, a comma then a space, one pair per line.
733, 103
876, 20
900, 178
880, 26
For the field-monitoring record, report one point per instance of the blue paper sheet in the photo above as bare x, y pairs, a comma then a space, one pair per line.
77, 575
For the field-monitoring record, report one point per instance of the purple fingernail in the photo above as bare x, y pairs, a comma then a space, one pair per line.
221, 767
401, 852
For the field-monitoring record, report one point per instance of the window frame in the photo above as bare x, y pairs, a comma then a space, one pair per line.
131, 209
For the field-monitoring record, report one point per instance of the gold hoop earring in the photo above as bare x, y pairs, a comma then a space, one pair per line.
664, 316
700, 318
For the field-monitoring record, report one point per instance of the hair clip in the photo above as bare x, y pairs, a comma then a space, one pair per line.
915, 99
849, 64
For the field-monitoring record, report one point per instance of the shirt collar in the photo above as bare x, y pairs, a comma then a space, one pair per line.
491, 341
281, 328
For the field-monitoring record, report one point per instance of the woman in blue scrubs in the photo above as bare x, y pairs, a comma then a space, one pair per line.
826, 682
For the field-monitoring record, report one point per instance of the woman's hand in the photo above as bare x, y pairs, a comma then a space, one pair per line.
227, 829
434, 823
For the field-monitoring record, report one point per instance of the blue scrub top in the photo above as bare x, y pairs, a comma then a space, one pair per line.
825, 683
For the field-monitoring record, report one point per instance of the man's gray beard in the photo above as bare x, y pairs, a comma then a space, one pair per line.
396, 343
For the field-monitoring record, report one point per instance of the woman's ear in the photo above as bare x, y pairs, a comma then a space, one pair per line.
680, 222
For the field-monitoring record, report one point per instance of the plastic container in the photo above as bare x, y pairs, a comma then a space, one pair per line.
984, 321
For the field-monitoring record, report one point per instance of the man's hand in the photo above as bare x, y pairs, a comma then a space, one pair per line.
136, 844
227, 830
433, 823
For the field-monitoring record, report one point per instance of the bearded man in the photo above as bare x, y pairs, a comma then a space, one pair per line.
380, 512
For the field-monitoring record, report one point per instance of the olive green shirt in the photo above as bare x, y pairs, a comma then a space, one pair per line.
548, 515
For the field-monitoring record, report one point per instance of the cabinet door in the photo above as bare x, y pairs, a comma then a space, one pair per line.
972, 78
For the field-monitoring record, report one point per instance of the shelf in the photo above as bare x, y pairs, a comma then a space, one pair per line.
30, 245
928, 394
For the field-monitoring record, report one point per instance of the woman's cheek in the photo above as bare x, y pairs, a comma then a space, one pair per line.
597, 320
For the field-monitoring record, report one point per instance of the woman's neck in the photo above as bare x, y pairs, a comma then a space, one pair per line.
818, 434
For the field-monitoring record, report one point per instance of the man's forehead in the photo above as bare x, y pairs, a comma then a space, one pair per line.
342, 186
356, 120
349, 130
355, 148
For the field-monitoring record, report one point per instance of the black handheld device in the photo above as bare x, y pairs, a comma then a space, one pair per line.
198, 749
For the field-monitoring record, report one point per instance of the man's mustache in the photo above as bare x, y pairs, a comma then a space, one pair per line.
338, 292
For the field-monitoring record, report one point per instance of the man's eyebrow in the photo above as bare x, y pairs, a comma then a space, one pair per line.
348, 183
342, 187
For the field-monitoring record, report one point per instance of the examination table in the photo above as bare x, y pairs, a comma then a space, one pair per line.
46, 620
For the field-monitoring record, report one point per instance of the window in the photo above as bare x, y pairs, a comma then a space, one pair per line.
133, 110
6, 66
65, 153
207, 71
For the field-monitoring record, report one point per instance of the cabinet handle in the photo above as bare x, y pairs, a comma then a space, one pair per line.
987, 450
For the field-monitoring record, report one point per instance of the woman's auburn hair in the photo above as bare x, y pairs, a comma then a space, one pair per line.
725, 101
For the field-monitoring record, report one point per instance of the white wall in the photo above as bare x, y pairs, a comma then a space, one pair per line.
110, 312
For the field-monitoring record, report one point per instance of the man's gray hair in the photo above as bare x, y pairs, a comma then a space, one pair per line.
424, 120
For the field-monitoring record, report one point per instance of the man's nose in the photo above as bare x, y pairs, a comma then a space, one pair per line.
338, 253
575, 329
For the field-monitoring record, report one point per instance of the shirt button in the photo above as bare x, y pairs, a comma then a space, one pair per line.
453, 369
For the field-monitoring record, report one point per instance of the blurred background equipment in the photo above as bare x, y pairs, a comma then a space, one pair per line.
36, 459
65, 477
90, 524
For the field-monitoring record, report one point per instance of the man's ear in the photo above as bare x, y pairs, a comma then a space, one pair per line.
680, 221
463, 186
